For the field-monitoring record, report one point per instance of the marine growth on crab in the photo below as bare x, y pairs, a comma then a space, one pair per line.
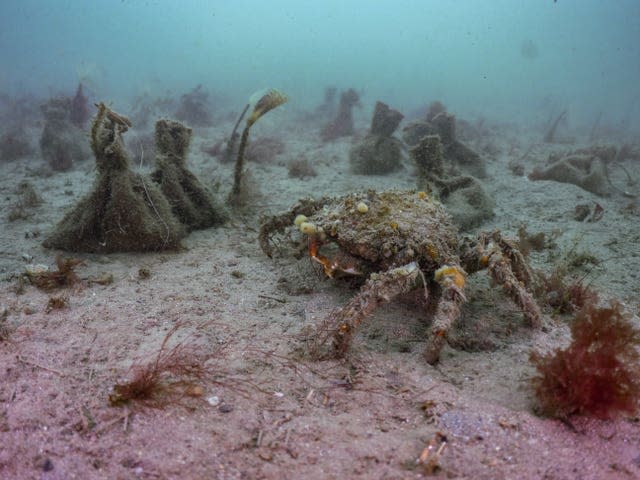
399, 240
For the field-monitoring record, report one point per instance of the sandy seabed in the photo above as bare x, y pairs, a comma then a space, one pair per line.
266, 412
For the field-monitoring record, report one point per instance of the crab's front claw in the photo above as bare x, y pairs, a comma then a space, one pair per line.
332, 267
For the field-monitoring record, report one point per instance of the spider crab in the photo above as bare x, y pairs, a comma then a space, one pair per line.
397, 239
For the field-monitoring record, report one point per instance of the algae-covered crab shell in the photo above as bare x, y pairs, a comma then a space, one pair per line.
397, 227
399, 237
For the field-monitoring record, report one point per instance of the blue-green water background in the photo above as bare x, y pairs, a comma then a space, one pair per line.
506, 59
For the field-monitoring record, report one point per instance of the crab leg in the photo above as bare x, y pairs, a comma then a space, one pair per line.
380, 288
508, 269
452, 280
500, 271
446, 315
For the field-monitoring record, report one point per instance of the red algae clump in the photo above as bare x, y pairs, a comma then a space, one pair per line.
598, 374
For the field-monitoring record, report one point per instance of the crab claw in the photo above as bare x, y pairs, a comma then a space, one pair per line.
314, 253
331, 267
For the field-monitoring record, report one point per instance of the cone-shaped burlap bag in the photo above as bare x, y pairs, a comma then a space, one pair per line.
192, 204
124, 212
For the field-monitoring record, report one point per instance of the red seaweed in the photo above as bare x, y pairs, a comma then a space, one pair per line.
598, 374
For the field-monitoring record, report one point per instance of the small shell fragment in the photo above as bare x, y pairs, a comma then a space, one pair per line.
362, 207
